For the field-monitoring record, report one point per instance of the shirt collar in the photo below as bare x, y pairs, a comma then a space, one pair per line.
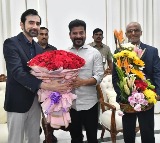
47, 46
83, 47
27, 41
139, 46
94, 44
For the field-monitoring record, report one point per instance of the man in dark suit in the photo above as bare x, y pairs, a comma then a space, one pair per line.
152, 72
21, 102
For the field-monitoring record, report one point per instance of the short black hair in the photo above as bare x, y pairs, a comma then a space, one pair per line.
29, 12
97, 30
76, 23
44, 28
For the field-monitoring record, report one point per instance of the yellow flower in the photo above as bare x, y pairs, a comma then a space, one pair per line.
117, 55
150, 95
138, 62
140, 74
132, 55
125, 53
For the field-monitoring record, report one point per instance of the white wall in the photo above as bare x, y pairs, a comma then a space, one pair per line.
61, 12
56, 15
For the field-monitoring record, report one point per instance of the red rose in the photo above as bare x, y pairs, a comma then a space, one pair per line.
53, 60
141, 85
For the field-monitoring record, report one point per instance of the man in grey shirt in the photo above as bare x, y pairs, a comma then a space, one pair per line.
84, 110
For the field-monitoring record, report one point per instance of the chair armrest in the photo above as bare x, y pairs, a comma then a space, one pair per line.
113, 108
110, 106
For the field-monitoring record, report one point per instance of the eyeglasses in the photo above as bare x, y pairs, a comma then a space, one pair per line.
135, 31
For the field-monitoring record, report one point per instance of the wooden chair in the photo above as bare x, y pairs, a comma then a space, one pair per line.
109, 118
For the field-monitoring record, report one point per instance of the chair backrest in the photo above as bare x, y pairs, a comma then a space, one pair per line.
106, 85
108, 94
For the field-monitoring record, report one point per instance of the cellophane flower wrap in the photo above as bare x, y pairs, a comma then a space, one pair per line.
53, 65
136, 90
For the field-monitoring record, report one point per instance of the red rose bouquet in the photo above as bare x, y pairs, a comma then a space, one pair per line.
53, 65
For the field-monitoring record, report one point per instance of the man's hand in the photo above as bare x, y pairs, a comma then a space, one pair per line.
158, 98
107, 72
77, 82
56, 85
83, 82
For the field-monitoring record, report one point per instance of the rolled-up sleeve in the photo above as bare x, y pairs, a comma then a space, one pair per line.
98, 67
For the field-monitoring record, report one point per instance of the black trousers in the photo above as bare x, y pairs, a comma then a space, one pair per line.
146, 124
86, 118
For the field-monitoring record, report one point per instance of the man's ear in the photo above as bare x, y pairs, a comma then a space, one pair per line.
70, 35
21, 25
92, 37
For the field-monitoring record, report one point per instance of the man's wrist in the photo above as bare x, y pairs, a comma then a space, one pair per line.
45, 86
158, 98
90, 81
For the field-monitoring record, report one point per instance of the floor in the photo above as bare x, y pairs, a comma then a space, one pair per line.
64, 137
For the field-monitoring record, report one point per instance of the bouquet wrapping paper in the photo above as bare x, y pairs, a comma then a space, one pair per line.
54, 65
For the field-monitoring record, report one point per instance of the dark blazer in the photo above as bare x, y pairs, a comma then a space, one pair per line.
48, 48
21, 86
151, 70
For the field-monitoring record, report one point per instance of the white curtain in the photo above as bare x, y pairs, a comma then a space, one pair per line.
10, 13
121, 12
117, 15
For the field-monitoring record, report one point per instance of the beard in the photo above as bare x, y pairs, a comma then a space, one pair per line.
31, 32
78, 42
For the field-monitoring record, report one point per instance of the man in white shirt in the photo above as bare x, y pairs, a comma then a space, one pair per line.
84, 110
